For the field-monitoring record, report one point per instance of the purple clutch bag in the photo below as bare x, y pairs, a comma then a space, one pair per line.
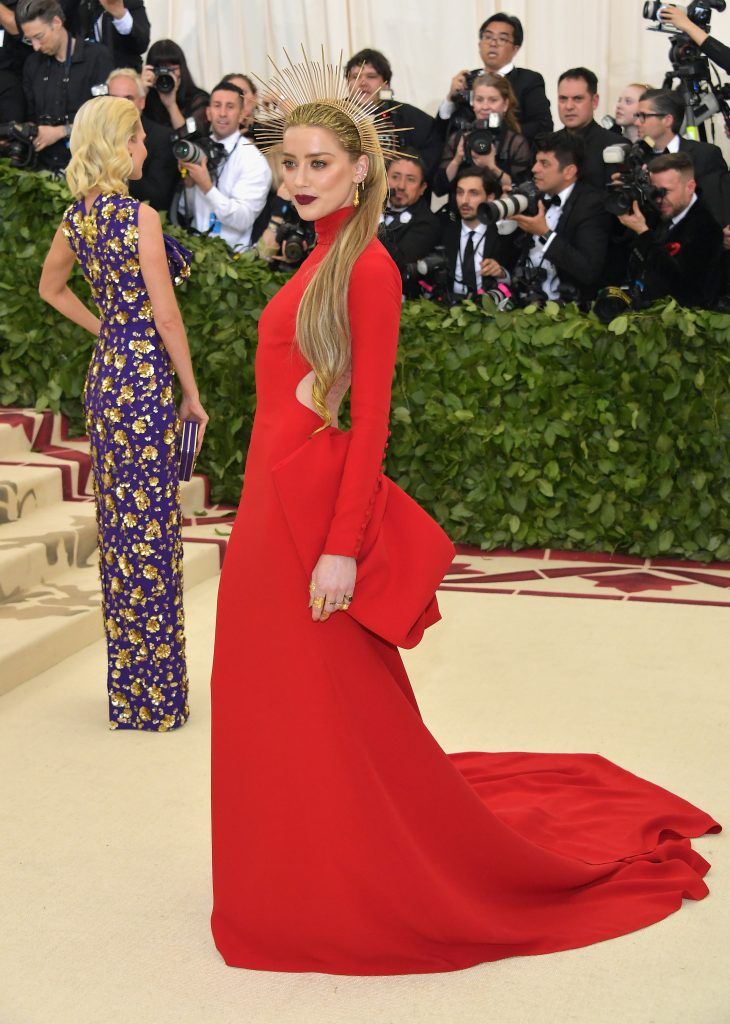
188, 441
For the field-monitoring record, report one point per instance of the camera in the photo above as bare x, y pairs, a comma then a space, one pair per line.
635, 184
462, 97
522, 199
482, 135
297, 239
19, 143
527, 282
192, 151
432, 273
699, 12
165, 80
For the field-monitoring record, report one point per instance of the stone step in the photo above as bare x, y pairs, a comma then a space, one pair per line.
58, 618
26, 488
13, 440
44, 544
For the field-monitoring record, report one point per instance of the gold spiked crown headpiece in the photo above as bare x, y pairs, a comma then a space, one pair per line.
319, 82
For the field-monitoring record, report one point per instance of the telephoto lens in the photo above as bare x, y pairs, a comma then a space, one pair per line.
187, 152
522, 200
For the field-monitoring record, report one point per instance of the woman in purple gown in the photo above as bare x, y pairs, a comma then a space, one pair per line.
131, 417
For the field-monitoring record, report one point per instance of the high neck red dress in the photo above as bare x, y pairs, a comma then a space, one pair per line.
344, 839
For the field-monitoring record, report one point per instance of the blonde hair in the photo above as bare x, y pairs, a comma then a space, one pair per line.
323, 326
505, 90
128, 73
99, 156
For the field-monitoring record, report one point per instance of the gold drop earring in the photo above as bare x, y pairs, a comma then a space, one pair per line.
356, 197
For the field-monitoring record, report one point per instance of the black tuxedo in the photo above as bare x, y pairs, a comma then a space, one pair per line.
706, 158
497, 247
12, 98
684, 262
126, 51
160, 174
595, 139
534, 106
412, 238
578, 251
424, 136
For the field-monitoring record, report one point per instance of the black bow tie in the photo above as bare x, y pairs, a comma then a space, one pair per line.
551, 201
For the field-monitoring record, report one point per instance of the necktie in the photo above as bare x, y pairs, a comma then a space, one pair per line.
468, 271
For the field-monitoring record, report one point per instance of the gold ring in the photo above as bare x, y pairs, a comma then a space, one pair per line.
344, 606
312, 587
318, 602
348, 597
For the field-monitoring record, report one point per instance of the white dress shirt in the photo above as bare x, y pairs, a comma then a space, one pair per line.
685, 211
238, 197
477, 241
123, 25
551, 285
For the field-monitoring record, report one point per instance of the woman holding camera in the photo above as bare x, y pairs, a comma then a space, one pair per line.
172, 95
131, 419
510, 154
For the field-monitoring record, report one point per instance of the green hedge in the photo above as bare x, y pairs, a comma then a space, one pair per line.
523, 429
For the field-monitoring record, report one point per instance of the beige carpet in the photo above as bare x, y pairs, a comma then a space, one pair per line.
104, 855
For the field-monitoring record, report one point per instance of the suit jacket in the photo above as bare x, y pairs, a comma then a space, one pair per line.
411, 241
534, 106
578, 252
595, 139
423, 135
706, 158
126, 51
497, 247
160, 174
685, 263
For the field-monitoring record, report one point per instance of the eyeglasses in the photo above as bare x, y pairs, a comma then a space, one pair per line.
503, 39
641, 116
37, 38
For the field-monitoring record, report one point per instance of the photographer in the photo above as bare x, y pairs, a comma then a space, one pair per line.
659, 117
478, 255
683, 256
678, 18
500, 38
57, 77
570, 232
160, 175
229, 205
409, 230
501, 149
250, 101
121, 25
172, 95
369, 72
578, 100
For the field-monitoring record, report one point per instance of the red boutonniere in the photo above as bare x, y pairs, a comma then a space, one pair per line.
673, 248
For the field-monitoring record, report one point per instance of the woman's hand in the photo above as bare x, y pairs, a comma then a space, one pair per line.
191, 409
332, 585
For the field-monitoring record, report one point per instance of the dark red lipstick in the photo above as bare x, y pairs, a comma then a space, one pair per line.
305, 200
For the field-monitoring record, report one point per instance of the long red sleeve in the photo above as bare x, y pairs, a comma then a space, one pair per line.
374, 302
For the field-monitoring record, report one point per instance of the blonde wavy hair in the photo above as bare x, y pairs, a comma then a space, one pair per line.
99, 156
323, 326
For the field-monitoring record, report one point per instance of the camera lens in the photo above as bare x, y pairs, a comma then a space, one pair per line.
164, 80
186, 151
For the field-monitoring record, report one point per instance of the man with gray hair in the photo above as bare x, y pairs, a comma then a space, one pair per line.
160, 174
58, 76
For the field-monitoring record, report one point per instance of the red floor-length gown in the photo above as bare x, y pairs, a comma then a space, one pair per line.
344, 839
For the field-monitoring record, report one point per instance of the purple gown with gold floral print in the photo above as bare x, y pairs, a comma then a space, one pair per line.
132, 424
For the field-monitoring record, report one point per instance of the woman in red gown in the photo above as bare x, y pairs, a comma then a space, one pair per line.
345, 840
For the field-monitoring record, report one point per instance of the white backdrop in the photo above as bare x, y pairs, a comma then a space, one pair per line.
426, 41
